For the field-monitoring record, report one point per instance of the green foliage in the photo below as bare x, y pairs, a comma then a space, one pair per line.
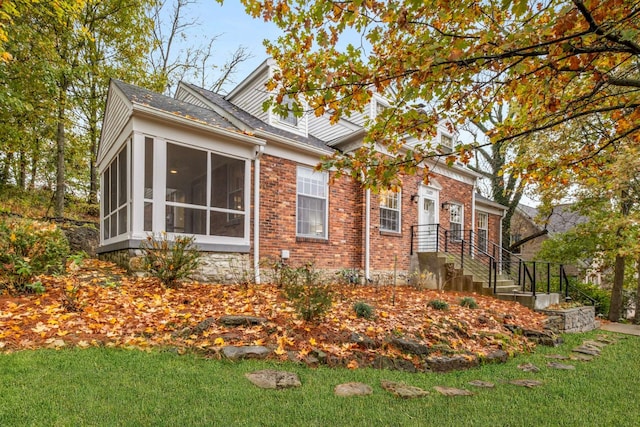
579, 291
469, 302
363, 310
27, 249
170, 260
280, 273
311, 298
438, 304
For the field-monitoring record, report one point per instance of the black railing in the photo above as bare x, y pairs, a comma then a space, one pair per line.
487, 261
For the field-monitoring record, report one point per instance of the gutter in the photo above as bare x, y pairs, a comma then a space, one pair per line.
256, 213
367, 230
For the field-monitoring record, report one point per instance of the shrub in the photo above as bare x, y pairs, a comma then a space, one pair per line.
310, 298
438, 304
170, 260
281, 274
363, 310
348, 276
27, 249
580, 291
468, 302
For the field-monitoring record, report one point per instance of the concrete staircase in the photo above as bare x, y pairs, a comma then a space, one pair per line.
449, 274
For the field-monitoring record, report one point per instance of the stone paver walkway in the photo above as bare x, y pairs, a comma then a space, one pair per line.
621, 328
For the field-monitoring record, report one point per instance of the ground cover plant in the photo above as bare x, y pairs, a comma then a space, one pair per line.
106, 387
97, 305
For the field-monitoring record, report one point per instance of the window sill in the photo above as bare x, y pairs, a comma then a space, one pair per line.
321, 240
391, 233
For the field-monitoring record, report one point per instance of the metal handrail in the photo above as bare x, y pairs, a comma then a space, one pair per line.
531, 275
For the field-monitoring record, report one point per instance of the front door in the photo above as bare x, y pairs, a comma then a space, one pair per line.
427, 232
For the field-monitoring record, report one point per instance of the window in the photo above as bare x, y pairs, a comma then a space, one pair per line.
205, 193
446, 143
312, 203
514, 238
379, 108
455, 221
390, 211
115, 206
148, 184
483, 231
290, 118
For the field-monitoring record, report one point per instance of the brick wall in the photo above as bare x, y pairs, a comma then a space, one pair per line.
344, 247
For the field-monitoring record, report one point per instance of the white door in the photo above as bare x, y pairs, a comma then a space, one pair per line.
427, 231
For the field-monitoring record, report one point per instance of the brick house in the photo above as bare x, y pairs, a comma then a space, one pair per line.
241, 180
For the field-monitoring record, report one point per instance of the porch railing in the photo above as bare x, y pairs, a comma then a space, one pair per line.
489, 262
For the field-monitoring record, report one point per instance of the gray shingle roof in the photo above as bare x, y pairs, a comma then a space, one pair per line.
253, 122
562, 218
170, 105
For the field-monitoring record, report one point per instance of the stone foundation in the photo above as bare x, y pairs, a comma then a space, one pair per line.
214, 267
579, 319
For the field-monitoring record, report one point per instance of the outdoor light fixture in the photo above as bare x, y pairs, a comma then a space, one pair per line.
173, 171
414, 198
445, 205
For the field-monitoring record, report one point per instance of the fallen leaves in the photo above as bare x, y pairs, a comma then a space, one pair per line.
116, 310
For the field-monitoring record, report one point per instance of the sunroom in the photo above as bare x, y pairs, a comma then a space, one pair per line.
171, 167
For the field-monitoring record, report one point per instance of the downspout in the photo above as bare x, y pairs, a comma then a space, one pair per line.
367, 230
473, 213
256, 213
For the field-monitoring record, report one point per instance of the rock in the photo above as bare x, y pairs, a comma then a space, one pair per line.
364, 341
556, 356
557, 365
204, 325
411, 347
82, 237
581, 357
526, 383
605, 339
403, 390
245, 352
384, 362
233, 320
352, 389
448, 364
546, 337
529, 367
452, 391
496, 356
588, 350
480, 383
274, 379
597, 344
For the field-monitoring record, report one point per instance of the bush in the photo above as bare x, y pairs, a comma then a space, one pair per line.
438, 304
281, 274
363, 310
27, 249
468, 302
310, 298
580, 291
170, 261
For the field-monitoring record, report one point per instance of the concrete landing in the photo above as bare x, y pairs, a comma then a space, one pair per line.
622, 328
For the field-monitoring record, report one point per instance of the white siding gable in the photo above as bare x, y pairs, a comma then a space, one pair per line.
119, 110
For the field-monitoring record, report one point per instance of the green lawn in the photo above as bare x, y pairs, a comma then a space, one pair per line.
114, 387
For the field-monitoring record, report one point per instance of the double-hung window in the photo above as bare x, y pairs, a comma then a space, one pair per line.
312, 203
456, 221
483, 231
390, 211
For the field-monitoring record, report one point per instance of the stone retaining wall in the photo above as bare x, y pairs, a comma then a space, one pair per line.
214, 267
579, 319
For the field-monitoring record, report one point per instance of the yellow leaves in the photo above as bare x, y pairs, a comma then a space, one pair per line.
313, 341
353, 364
219, 341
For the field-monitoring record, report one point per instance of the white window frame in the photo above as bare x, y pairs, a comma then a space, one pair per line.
456, 210
321, 181
387, 199
483, 226
290, 119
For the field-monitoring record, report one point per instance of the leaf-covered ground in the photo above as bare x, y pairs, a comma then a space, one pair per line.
99, 305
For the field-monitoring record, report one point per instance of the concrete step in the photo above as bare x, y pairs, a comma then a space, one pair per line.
538, 302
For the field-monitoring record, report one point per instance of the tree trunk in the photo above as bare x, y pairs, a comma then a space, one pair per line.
636, 318
93, 135
615, 309
60, 143
22, 170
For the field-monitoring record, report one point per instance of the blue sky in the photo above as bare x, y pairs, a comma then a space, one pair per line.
235, 27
